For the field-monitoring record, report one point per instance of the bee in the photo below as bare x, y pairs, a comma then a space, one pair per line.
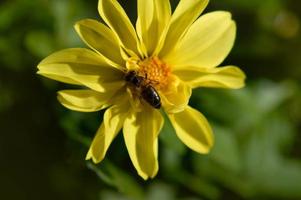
148, 92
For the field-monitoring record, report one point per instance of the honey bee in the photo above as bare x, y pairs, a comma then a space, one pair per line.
148, 92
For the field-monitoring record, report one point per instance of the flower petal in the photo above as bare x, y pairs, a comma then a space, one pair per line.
115, 17
207, 42
100, 38
153, 17
141, 138
222, 77
81, 67
185, 14
193, 129
176, 97
112, 124
85, 100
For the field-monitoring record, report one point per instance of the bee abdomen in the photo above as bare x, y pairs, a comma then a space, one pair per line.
151, 96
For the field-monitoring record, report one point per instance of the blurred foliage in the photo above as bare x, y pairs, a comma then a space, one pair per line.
257, 129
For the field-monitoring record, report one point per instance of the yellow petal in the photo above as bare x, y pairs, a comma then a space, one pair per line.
112, 124
222, 77
193, 129
115, 17
81, 67
141, 138
153, 17
100, 38
85, 100
207, 42
185, 14
176, 97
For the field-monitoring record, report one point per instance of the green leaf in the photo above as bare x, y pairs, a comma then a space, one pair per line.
226, 150
116, 177
160, 191
169, 138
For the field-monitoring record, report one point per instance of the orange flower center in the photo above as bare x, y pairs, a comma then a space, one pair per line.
154, 71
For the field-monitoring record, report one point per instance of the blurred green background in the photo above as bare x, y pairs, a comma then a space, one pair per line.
257, 129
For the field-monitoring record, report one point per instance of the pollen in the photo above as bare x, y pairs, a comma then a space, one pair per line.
155, 71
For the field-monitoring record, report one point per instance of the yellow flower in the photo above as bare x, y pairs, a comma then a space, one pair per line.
128, 70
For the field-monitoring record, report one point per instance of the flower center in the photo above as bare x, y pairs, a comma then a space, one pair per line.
154, 71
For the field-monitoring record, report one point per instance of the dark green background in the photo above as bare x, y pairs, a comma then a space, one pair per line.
257, 129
